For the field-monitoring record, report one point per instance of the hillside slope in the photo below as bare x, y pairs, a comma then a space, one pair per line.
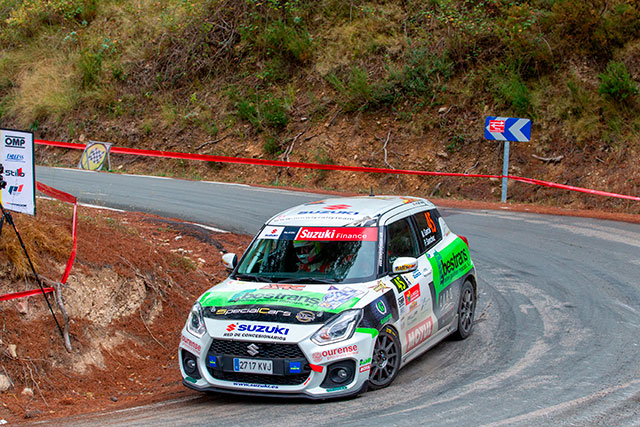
396, 83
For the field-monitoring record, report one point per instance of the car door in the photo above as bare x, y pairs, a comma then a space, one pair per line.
411, 289
437, 241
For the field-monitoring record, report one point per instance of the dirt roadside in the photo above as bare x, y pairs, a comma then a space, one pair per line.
129, 293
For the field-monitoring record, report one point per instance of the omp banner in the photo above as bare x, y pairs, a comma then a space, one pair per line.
16, 155
94, 156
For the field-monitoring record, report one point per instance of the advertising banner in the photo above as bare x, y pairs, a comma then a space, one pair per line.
16, 155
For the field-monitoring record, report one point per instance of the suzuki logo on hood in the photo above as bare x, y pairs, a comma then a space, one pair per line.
231, 327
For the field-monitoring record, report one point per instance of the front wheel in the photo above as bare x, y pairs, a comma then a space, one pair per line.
385, 362
466, 311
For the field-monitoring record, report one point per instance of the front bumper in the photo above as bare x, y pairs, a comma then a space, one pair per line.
313, 380
362, 389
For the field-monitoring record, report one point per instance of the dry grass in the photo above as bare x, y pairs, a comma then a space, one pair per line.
45, 237
45, 88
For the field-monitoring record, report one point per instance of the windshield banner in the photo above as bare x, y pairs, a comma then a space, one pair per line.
327, 234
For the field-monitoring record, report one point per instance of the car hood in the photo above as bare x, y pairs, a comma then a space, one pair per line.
288, 312
234, 299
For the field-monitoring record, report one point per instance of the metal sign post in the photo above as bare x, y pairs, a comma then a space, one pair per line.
506, 129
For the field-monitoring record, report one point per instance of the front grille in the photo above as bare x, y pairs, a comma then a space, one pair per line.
266, 350
224, 351
259, 378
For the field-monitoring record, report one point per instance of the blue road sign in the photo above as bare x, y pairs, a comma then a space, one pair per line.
507, 129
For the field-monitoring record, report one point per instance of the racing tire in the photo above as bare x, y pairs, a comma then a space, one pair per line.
385, 362
466, 311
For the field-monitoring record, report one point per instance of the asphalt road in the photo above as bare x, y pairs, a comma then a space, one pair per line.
556, 342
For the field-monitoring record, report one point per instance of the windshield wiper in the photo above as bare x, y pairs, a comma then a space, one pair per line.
253, 277
308, 280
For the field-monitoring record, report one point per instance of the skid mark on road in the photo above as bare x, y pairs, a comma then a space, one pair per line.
545, 412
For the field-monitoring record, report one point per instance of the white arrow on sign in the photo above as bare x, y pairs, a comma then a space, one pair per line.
515, 129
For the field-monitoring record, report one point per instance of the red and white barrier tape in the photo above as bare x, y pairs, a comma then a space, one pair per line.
22, 294
65, 197
279, 163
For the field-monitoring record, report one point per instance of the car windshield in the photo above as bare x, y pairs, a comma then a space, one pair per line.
311, 255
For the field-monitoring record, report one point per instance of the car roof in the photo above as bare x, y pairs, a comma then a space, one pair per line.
346, 211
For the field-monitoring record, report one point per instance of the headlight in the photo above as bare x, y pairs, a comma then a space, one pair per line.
339, 329
195, 322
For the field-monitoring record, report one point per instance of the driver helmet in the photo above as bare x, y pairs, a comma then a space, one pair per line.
306, 250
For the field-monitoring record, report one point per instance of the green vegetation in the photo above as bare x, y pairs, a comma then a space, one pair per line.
209, 66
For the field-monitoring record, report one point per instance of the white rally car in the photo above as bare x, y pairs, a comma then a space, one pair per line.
331, 298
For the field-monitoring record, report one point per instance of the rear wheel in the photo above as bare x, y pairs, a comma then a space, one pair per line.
385, 362
466, 311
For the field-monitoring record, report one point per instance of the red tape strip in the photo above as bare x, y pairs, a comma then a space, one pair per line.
65, 197
263, 162
22, 294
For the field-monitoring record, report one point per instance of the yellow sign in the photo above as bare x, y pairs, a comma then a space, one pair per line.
94, 156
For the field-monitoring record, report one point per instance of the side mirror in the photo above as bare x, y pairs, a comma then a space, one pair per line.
404, 265
229, 260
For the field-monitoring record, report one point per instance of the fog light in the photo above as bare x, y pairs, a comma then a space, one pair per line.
190, 366
342, 374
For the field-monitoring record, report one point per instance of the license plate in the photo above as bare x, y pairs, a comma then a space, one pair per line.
253, 366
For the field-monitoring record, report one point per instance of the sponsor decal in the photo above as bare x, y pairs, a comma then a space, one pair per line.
344, 387
252, 310
449, 264
271, 232
15, 142
382, 309
333, 210
295, 367
401, 301
284, 286
18, 172
335, 353
269, 386
412, 294
305, 316
337, 207
365, 361
380, 287
413, 306
408, 200
244, 330
416, 274
15, 158
452, 263
334, 299
15, 189
446, 298
192, 346
385, 319
343, 234
406, 267
254, 295
365, 368
419, 333
400, 283
212, 361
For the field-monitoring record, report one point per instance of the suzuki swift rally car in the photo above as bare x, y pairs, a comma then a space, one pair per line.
331, 298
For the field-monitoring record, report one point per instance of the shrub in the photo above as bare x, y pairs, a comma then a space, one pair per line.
262, 111
616, 83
